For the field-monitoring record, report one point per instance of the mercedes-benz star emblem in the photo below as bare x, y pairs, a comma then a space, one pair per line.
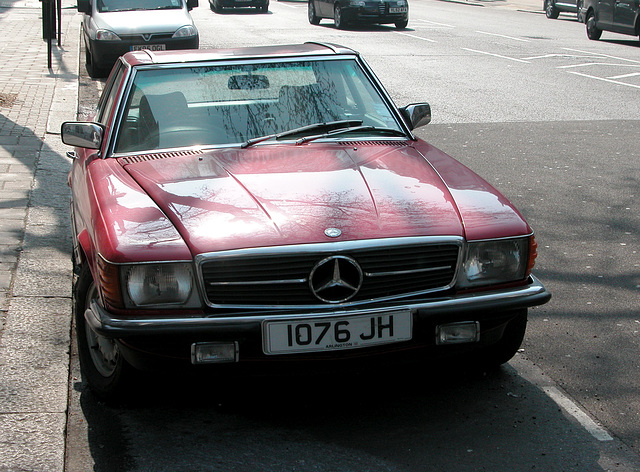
332, 232
336, 279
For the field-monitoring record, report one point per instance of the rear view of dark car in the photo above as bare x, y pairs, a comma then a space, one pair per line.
351, 12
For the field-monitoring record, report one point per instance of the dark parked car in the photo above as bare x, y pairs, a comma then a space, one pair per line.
350, 12
271, 206
113, 27
219, 5
618, 16
553, 8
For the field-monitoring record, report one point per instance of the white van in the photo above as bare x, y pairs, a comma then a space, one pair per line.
114, 27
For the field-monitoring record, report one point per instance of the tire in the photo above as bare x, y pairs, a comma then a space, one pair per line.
593, 32
512, 337
579, 12
311, 13
93, 71
402, 24
550, 10
338, 18
103, 367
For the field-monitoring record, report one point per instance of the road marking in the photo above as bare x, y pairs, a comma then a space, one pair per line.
416, 37
504, 36
292, 6
533, 374
587, 64
625, 76
433, 23
497, 55
571, 408
602, 55
604, 79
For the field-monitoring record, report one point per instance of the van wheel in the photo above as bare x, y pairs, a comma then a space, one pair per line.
550, 10
338, 18
311, 13
593, 32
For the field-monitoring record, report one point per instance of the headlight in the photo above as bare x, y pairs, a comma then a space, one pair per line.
106, 35
159, 284
495, 262
185, 31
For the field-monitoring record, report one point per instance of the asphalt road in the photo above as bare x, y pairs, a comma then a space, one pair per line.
552, 120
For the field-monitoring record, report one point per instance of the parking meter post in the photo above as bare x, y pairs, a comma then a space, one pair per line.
59, 15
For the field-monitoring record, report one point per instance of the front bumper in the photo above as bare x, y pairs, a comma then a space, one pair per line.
105, 53
457, 308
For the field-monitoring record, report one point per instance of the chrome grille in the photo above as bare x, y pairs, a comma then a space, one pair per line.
281, 278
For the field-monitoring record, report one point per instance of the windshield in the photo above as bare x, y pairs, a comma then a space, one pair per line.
105, 6
234, 104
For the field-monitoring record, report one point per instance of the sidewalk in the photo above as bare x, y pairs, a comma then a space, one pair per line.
35, 267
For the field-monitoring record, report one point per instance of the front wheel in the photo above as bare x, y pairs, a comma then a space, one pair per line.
103, 367
338, 18
311, 13
402, 24
550, 10
593, 32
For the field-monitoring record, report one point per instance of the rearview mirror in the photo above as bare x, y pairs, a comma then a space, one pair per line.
191, 4
248, 82
82, 134
417, 114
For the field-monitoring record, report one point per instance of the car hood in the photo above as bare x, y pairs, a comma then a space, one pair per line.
285, 194
143, 21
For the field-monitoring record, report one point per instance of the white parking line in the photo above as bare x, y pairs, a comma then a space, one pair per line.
416, 37
433, 23
587, 64
571, 408
504, 36
533, 374
625, 76
496, 55
605, 80
602, 55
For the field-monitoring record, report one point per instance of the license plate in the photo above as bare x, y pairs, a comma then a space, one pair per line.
334, 334
397, 9
149, 47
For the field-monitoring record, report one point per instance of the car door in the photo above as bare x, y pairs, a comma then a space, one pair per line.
604, 14
325, 7
624, 16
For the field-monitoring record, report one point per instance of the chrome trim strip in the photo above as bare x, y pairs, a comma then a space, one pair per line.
404, 272
109, 325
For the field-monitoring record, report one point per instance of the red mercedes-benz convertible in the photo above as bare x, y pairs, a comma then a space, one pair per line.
271, 206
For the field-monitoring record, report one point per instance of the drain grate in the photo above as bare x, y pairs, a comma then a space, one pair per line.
7, 99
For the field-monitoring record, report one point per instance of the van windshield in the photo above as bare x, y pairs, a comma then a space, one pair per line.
105, 6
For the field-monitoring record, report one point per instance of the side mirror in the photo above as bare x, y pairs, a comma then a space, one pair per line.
84, 6
82, 134
417, 114
191, 4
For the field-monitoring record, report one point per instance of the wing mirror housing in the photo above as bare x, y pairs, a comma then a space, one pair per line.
84, 6
82, 134
417, 114
191, 4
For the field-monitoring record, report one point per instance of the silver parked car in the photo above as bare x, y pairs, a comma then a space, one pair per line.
112, 28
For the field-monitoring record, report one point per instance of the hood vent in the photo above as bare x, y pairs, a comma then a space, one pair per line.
161, 155
374, 143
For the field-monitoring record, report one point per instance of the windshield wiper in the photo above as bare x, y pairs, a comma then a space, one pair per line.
389, 131
341, 124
